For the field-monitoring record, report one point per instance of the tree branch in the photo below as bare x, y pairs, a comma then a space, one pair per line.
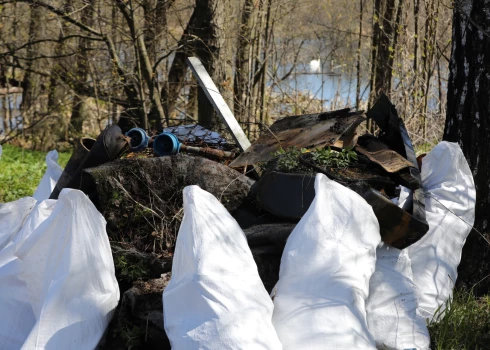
59, 40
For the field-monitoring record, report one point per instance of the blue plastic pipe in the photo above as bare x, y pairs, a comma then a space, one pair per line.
139, 139
166, 144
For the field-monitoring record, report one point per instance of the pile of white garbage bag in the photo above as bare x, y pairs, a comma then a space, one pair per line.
339, 286
58, 288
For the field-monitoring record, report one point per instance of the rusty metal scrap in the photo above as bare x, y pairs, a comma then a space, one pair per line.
206, 151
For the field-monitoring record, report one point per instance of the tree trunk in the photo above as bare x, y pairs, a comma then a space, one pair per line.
257, 68
32, 83
212, 50
397, 28
155, 34
82, 72
265, 66
428, 56
359, 48
58, 79
468, 123
242, 63
374, 48
416, 9
383, 71
178, 70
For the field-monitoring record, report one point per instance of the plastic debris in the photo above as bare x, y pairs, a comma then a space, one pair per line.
450, 198
196, 134
215, 299
326, 265
392, 304
58, 288
50, 177
139, 139
166, 144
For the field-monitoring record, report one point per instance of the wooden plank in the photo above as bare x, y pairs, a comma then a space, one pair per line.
389, 160
218, 102
325, 132
306, 120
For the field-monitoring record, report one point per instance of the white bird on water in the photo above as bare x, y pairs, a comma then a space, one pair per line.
315, 66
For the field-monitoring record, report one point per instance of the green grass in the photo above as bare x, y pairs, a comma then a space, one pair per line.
21, 170
465, 326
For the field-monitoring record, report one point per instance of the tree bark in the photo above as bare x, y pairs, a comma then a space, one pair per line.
32, 83
212, 50
178, 70
82, 72
428, 57
265, 66
359, 48
243, 62
383, 70
155, 34
374, 49
58, 79
468, 123
397, 29
416, 9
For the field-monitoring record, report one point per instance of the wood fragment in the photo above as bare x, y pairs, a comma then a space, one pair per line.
309, 131
389, 160
218, 102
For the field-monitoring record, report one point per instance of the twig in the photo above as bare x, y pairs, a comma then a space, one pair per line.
121, 187
452, 212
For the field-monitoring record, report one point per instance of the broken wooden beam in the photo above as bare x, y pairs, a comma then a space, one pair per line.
218, 102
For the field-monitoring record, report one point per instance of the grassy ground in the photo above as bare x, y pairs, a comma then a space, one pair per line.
466, 326
21, 170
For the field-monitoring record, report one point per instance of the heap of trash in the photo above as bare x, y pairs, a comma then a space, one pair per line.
313, 237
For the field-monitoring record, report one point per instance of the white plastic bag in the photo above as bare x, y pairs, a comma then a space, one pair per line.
17, 220
12, 216
392, 304
449, 195
215, 299
50, 177
57, 280
325, 271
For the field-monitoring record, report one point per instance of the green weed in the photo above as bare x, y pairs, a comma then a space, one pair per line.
129, 270
288, 160
464, 326
330, 158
